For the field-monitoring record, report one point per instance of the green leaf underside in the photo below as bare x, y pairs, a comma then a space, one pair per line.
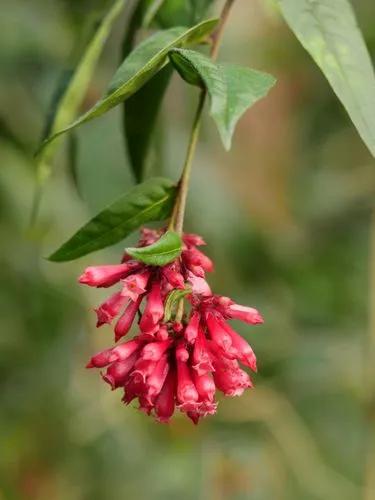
232, 89
165, 250
140, 115
173, 298
76, 88
140, 66
150, 201
328, 30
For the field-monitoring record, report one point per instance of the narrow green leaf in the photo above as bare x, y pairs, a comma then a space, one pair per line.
69, 98
328, 30
232, 89
141, 65
140, 114
165, 250
140, 111
173, 299
74, 93
146, 202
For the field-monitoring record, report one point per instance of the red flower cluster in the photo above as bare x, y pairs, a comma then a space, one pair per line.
179, 359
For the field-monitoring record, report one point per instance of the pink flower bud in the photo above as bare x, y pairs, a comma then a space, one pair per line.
101, 359
154, 350
205, 386
247, 314
154, 310
165, 402
193, 239
187, 394
104, 276
117, 373
142, 369
157, 378
110, 309
162, 333
194, 257
218, 333
199, 285
182, 354
126, 349
229, 378
244, 352
201, 356
191, 331
126, 320
135, 285
173, 276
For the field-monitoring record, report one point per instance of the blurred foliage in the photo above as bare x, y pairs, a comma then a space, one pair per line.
286, 215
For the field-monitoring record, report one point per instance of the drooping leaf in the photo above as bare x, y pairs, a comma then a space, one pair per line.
328, 30
232, 89
69, 97
141, 109
78, 81
140, 114
141, 65
165, 250
173, 299
146, 202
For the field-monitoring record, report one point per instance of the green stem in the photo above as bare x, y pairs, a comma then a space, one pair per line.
177, 218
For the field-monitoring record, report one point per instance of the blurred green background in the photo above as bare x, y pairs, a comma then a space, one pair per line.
287, 218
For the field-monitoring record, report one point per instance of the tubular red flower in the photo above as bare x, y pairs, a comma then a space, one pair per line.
191, 331
201, 356
154, 310
187, 394
101, 359
173, 276
135, 285
126, 320
165, 402
157, 378
184, 359
217, 333
244, 352
107, 311
195, 257
117, 373
104, 276
155, 350
247, 314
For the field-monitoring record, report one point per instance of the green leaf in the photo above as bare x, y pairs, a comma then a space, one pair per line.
232, 89
146, 202
173, 299
140, 111
71, 92
140, 66
328, 30
74, 93
165, 250
140, 114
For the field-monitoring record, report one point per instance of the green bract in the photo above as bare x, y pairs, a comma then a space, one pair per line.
165, 250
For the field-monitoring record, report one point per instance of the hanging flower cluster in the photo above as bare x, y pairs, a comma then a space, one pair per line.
184, 350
